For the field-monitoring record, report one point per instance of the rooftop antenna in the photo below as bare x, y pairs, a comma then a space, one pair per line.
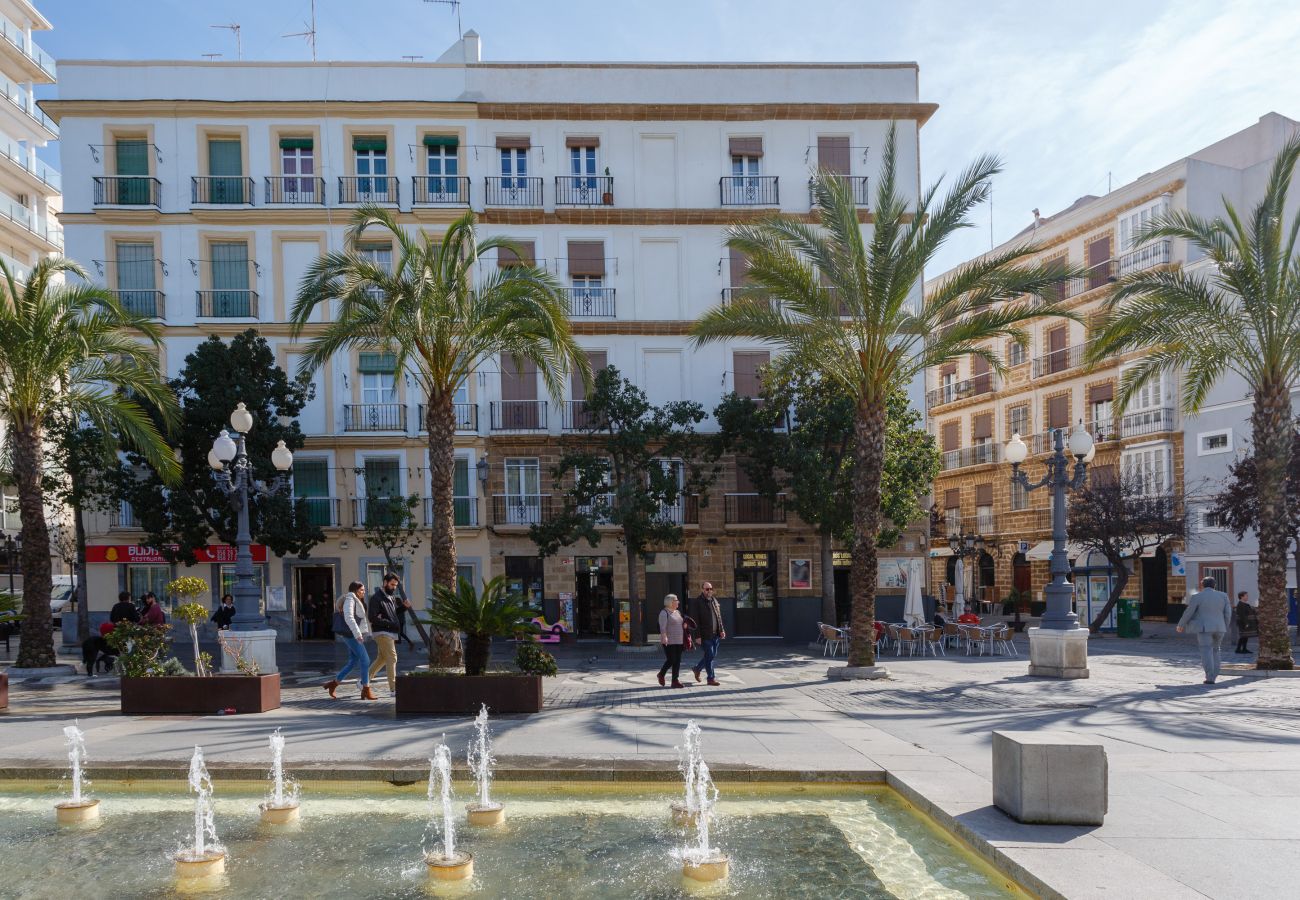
412, 58
309, 33
239, 44
211, 56
454, 4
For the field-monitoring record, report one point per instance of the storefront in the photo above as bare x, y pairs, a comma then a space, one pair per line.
141, 569
526, 576
756, 600
593, 583
842, 560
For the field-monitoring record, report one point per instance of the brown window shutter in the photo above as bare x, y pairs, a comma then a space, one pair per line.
952, 498
508, 142
1098, 255
1058, 357
947, 370
597, 360
744, 485
833, 154
950, 437
739, 266
746, 146
983, 495
981, 380
983, 426
582, 141
526, 256
1101, 392
747, 366
1101, 475
1058, 412
518, 378
587, 258
1056, 338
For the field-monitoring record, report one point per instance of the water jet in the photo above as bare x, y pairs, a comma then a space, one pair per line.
79, 808
483, 812
205, 858
447, 863
281, 807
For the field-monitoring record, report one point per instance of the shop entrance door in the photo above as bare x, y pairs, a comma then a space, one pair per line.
313, 592
665, 573
756, 611
594, 586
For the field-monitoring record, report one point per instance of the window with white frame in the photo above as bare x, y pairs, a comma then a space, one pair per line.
1019, 496
378, 387
746, 166
1133, 221
1221, 573
298, 168
371, 165
1016, 353
1152, 395
514, 165
1209, 443
1211, 520
1018, 420
442, 165
523, 501
1149, 468
582, 161
464, 506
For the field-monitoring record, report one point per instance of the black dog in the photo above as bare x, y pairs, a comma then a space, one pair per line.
96, 652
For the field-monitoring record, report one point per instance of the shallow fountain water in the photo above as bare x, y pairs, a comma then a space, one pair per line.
483, 811
80, 808
447, 864
281, 805
689, 754
205, 857
701, 861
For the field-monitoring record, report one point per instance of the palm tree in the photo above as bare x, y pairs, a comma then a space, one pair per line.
70, 350
1240, 315
845, 305
442, 328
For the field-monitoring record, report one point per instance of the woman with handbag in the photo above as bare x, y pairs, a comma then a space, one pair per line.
671, 636
352, 626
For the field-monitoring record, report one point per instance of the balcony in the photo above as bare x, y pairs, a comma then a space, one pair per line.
979, 455
222, 190
1145, 257
323, 512
27, 106
584, 190
146, 304
227, 304
379, 511
576, 416
1060, 360
518, 415
508, 190
748, 295
591, 302
953, 391
984, 523
1136, 424
466, 417
520, 510
440, 190
374, 417
127, 190
857, 185
464, 511
378, 189
686, 511
17, 154
748, 190
20, 40
753, 509
20, 215
295, 190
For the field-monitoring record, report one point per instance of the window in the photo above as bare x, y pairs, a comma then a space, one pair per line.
311, 484
525, 576
462, 489
226, 183
375, 573
1151, 395
523, 501
1016, 353
833, 154
1018, 420
1211, 521
1099, 412
9, 518
948, 383
1149, 468
442, 165
370, 161
747, 371
229, 579
298, 169
1221, 573
469, 572
136, 282
382, 476
378, 387
1209, 443
133, 186
1058, 351
140, 579
1058, 411
1019, 496
1098, 254
231, 296
514, 167
582, 161
982, 435
1133, 221
747, 167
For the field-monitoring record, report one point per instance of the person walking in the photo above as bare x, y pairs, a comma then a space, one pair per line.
307, 615
351, 625
671, 636
153, 612
225, 613
1247, 625
1208, 615
384, 623
708, 619
123, 609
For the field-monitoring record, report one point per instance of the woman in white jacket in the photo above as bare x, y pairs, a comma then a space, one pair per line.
352, 627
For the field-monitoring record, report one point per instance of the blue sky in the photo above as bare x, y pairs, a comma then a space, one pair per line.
1068, 94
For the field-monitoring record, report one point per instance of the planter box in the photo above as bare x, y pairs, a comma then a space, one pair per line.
453, 694
182, 695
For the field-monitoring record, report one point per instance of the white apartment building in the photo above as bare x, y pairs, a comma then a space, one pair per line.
218, 184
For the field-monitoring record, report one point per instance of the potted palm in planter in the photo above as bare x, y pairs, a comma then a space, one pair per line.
480, 616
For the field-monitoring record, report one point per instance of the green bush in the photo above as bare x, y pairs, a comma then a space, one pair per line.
141, 649
533, 660
481, 616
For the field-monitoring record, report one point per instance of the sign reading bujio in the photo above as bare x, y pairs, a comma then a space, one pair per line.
127, 553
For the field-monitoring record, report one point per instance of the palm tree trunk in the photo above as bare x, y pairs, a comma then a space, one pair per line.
869, 451
440, 422
36, 649
828, 579
1271, 431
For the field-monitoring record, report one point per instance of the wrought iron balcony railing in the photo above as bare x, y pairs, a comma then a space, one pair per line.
1060, 360
466, 416
511, 190
584, 190
222, 190
520, 509
227, 304
749, 190
127, 190
379, 189
753, 509
440, 190
374, 417
464, 511
857, 185
295, 190
591, 302
323, 512
577, 417
518, 415
149, 304
979, 455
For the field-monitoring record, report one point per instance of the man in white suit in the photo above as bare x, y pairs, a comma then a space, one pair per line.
1208, 616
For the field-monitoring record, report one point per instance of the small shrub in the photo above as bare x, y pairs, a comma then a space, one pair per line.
140, 648
533, 660
172, 666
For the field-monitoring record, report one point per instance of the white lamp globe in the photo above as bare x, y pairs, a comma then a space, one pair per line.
1080, 441
1016, 451
241, 419
223, 447
214, 461
282, 457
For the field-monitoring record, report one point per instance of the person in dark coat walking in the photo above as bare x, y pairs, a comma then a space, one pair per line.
1247, 627
708, 619
385, 626
123, 609
225, 613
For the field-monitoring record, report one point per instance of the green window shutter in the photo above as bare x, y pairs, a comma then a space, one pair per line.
135, 267
225, 158
132, 157
311, 478
460, 477
369, 363
361, 144
230, 266
382, 478
441, 140
295, 143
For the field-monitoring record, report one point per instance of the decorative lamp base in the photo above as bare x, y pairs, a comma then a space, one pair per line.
1058, 653
258, 647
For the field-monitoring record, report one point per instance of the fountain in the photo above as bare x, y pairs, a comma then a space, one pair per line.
79, 808
281, 806
689, 755
483, 811
701, 862
205, 858
449, 864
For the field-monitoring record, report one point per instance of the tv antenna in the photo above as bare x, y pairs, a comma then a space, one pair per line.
454, 4
411, 58
309, 33
239, 44
211, 56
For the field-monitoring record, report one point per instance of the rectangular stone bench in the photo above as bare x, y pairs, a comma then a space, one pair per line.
1049, 778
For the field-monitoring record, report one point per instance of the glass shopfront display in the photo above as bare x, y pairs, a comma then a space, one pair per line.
524, 576
756, 608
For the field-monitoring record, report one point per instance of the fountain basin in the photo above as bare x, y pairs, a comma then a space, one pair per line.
191, 865
458, 867
279, 815
714, 869
76, 813
483, 816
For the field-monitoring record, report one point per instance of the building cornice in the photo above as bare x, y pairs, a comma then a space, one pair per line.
244, 109
712, 112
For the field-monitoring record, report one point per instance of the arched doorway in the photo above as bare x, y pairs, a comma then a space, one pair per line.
988, 576
950, 570
1155, 584
1021, 574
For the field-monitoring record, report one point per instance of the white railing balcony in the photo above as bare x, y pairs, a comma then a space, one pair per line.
1148, 256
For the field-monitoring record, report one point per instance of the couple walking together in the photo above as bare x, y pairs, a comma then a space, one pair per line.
704, 623
354, 621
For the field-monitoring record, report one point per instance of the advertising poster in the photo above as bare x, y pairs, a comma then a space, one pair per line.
800, 574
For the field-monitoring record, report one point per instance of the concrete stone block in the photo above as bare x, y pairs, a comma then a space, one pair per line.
1058, 654
256, 646
1052, 778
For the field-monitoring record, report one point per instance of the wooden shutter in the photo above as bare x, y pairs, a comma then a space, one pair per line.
598, 362
518, 378
744, 484
1099, 393
1099, 476
1058, 412
746, 146
1056, 349
587, 258
746, 364
981, 380
950, 437
983, 495
833, 154
509, 142
983, 426
582, 141
526, 256
952, 498
739, 266
947, 370
1098, 255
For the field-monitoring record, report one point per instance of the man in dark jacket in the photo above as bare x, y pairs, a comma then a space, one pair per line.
123, 609
1247, 628
385, 627
153, 612
708, 619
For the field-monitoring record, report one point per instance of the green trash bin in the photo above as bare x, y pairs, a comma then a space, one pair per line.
1129, 618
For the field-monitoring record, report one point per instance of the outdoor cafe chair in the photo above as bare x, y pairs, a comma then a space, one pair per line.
834, 640
934, 641
1005, 640
909, 638
951, 632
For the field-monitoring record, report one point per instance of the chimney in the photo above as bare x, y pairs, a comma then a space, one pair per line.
473, 47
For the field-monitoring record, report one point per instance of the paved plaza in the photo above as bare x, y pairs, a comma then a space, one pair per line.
1204, 781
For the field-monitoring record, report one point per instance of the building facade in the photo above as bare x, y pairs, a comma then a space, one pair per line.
973, 411
218, 184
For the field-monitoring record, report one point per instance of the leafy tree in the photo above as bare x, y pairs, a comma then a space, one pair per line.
847, 305
797, 440
183, 518
1113, 517
1241, 314
443, 327
630, 465
69, 348
392, 525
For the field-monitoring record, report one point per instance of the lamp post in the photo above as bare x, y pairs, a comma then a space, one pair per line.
1058, 647
234, 475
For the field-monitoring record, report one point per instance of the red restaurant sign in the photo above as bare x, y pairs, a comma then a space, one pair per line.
122, 553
